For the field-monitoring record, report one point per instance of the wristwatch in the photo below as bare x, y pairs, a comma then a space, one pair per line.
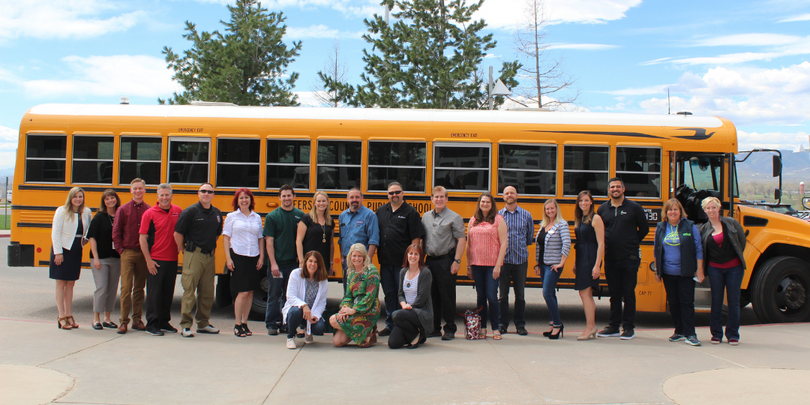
457, 261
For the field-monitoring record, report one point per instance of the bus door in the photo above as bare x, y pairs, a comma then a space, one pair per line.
697, 176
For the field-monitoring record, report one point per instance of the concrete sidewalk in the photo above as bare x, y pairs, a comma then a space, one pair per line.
41, 364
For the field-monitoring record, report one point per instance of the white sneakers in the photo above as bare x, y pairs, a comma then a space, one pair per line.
291, 343
208, 329
309, 339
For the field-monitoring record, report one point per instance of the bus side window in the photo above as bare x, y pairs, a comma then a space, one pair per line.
188, 160
140, 158
531, 169
586, 168
45, 158
288, 163
92, 159
640, 170
339, 164
403, 162
238, 162
461, 166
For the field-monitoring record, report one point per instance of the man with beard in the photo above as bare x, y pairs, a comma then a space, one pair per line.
625, 227
358, 224
520, 228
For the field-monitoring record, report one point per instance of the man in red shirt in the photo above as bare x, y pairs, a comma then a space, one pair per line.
160, 252
126, 241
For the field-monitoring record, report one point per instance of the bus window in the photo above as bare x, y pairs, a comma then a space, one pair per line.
461, 166
531, 169
585, 168
339, 164
288, 163
704, 173
188, 160
238, 162
403, 162
640, 170
92, 159
140, 158
45, 157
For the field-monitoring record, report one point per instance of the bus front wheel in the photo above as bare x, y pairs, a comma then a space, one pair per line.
259, 305
780, 292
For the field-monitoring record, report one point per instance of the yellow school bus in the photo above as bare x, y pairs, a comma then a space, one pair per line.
543, 154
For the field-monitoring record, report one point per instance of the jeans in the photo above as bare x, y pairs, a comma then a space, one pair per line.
725, 281
516, 274
389, 281
277, 295
295, 319
681, 299
622, 276
550, 278
487, 289
443, 292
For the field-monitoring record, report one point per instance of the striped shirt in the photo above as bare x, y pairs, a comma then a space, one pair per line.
557, 243
520, 229
485, 245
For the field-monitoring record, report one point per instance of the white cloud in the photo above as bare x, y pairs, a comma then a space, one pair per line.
119, 75
753, 39
583, 47
319, 31
746, 96
507, 13
47, 19
802, 17
351, 8
771, 140
776, 46
8, 148
641, 91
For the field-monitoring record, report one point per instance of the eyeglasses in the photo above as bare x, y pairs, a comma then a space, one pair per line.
397, 192
207, 191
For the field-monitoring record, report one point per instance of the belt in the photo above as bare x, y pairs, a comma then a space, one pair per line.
452, 252
204, 251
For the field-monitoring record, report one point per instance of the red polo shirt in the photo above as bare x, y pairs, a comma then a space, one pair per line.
158, 225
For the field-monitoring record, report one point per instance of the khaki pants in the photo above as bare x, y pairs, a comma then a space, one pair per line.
133, 282
197, 279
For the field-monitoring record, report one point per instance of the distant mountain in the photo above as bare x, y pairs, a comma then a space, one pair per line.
795, 166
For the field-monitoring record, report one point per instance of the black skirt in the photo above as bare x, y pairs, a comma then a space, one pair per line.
586, 248
244, 276
71, 266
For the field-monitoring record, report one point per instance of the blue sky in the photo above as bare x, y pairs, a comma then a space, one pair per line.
748, 61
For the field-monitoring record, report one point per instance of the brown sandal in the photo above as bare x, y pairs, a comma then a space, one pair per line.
73, 323
369, 341
66, 326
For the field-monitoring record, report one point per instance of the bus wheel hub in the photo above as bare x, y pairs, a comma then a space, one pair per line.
792, 293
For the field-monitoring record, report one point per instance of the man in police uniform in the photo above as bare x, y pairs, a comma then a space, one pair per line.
197, 230
400, 227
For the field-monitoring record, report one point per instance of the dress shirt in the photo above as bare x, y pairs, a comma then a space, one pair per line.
244, 231
127, 225
358, 227
520, 229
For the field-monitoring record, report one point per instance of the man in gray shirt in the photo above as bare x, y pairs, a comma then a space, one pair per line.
444, 246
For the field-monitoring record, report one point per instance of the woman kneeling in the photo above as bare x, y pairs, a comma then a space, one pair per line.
306, 299
357, 319
414, 321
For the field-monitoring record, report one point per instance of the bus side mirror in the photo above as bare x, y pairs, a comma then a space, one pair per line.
777, 167
806, 203
777, 194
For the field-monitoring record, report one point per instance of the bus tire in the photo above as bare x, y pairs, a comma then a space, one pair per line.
780, 291
258, 308
223, 290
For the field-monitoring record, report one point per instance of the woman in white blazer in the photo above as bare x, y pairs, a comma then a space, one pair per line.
306, 299
70, 223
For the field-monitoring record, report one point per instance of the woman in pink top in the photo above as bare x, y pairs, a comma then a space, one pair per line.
486, 248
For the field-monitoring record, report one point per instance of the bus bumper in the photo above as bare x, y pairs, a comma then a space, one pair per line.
20, 255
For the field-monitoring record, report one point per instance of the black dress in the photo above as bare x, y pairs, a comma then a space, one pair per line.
71, 266
586, 247
318, 238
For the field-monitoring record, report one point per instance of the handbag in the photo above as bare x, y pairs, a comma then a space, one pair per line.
472, 323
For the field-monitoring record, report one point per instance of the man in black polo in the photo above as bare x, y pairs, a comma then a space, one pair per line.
625, 227
400, 227
197, 230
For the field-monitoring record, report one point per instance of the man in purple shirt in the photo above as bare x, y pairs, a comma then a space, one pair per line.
126, 241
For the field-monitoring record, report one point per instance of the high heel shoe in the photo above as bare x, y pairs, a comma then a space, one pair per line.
548, 332
559, 333
72, 321
591, 335
66, 326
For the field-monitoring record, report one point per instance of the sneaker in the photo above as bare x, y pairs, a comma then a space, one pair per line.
168, 328
291, 343
272, 331
716, 341
734, 342
677, 337
154, 332
208, 329
628, 334
692, 341
187, 333
609, 331
385, 332
448, 336
308, 339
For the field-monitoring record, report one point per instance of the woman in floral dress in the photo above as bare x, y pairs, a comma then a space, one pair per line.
357, 319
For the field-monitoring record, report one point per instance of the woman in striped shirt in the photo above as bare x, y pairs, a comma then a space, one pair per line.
553, 245
486, 248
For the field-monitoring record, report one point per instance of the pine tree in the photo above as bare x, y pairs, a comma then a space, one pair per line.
245, 66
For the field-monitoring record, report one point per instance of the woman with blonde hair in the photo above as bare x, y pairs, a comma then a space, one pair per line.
553, 245
316, 231
590, 233
106, 263
360, 309
70, 223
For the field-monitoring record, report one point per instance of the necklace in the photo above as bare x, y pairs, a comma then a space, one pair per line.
323, 229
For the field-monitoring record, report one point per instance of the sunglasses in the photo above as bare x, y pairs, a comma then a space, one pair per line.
397, 192
207, 191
